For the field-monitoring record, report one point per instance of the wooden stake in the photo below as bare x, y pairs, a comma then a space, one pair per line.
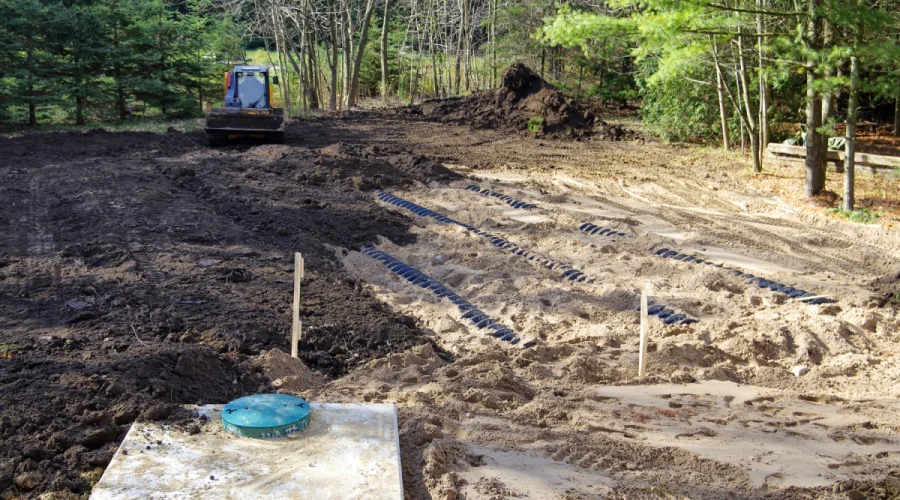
295, 310
645, 327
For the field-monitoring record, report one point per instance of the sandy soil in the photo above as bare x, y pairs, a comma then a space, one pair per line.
191, 247
746, 424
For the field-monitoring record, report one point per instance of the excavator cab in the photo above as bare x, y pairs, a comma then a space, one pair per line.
248, 110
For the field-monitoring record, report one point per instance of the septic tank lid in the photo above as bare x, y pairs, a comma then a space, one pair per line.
266, 415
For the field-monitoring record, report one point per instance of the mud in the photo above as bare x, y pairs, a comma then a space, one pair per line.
522, 96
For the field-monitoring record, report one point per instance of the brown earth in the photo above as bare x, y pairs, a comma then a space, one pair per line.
142, 271
522, 96
139, 272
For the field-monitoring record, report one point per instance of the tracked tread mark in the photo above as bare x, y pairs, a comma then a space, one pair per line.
839, 259
822, 254
693, 194
728, 236
658, 195
788, 246
710, 226
144, 265
40, 239
622, 206
751, 243
40, 242
846, 242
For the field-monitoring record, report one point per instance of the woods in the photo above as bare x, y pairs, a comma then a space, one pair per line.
765, 59
742, 72
105, 59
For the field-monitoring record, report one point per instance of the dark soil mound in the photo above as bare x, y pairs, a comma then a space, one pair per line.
523, 96
140, 272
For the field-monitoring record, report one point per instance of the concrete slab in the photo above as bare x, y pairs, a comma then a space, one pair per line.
349, 451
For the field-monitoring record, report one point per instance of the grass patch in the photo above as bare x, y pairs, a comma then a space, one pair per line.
863, 215
536, 124
154, 125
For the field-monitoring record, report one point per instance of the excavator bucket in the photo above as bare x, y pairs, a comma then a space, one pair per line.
223, 124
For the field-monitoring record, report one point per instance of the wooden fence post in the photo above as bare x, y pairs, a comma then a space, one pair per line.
645, 327
295, 310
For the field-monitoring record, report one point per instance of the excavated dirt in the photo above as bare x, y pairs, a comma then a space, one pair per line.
139, 272
522, 96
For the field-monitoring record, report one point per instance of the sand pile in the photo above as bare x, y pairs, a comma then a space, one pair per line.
522, 97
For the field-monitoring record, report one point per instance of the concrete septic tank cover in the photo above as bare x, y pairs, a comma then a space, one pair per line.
266, 415
347, 452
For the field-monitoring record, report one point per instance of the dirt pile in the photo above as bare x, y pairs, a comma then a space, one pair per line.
523, 102
147, 271
286, 373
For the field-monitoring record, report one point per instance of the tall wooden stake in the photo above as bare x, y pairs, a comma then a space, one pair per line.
295, 310
645, 327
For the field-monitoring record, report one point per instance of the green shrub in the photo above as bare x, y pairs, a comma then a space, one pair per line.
676, 109
863, 215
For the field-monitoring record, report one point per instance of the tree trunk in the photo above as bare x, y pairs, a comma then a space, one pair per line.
308, 68
739, 105
289, 49
720, 90
348, 58
384, 59
726, 143
460, 33
543, 59
285, 92
494, 81
467, 45
79, 110
363, 37
897, 115
815, 154
117, 75
763, 81
120, 102
852, 116
752, 128
303, 94
312, 64
332, 27
32, 113
434, 65
414, 84
434, 70
827, 96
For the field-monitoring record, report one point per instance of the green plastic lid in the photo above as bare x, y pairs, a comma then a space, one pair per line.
266, 415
